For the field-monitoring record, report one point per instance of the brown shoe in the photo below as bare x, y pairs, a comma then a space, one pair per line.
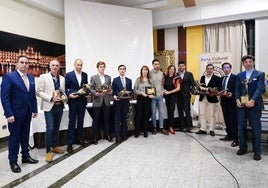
57, 150
163, 131
154, 131
48, 157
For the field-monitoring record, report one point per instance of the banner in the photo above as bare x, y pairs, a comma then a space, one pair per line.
216, 59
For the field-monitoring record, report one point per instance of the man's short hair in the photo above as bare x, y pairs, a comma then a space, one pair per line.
248, 57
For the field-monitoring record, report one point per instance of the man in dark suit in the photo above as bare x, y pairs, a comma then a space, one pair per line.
184, 98
100, 87
208, 101
19, 103
74, 81
121, 105
228, 104
249, 87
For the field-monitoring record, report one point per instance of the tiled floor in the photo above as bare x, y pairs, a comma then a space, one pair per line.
181, 160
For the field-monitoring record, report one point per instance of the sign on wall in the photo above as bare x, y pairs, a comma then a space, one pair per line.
217, 59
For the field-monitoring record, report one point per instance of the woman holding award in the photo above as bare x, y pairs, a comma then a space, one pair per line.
145, 91
171, 86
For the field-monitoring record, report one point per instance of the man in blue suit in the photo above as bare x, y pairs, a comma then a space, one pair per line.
74, 81
120, 104
19, 103
228, 104
249, 84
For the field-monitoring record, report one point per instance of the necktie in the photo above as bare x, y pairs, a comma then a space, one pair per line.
224, 83
25, 80
123, 82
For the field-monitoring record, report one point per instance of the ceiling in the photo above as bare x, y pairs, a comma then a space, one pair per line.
154, 5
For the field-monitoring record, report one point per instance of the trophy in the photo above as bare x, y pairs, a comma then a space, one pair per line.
84, 91
60, 95
150, 90
104, 88
124, 94
245, 98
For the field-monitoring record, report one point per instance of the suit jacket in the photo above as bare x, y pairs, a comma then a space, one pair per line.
186, 84
15, 97
117, 85
95, 82
230, 88
72, 85
256, 87
45, 88
215, 81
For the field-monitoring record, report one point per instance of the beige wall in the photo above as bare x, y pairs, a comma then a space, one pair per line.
19, 19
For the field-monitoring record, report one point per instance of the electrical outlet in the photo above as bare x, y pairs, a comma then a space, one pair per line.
4, 126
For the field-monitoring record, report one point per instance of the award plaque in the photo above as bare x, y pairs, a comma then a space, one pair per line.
124, 94
150, 90
245, 98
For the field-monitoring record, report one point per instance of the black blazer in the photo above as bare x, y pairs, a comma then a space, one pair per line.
230, 88
215, 81
186, 84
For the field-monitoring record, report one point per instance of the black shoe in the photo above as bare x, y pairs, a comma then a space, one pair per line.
118, 140
108, 138
241, 152
154, 131
70, 149
234, 143
15, 167
212, 133
257, 157
95, 142
163, 131
83, 143
145, 134
29, 160
137, 135
225, 138
124, 138
201, 132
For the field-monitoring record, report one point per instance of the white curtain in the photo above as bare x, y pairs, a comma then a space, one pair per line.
227, 37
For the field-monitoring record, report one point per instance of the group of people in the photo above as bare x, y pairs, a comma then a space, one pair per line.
19, 91
241, 102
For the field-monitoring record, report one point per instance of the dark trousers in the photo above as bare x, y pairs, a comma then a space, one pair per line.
143, 113
184, 107
19, 135
170, 103
76, 114
229, 112
254, 118
104, 112
120, 118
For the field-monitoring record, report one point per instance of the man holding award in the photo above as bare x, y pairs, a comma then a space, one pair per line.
50, 89
122, 92
77, 102
249, 88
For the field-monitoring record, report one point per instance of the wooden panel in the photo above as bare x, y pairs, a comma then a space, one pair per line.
189, 3
182, 44
160, 39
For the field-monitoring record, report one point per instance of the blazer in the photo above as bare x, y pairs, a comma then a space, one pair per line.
95, 82
256, 87
117, 85
230, 88
72, 85
186, 84
15, 98
45, 88
215, 81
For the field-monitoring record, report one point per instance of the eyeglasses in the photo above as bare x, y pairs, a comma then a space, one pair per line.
24, 62
227, 67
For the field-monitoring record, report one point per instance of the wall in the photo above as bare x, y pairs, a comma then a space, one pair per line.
19, 19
